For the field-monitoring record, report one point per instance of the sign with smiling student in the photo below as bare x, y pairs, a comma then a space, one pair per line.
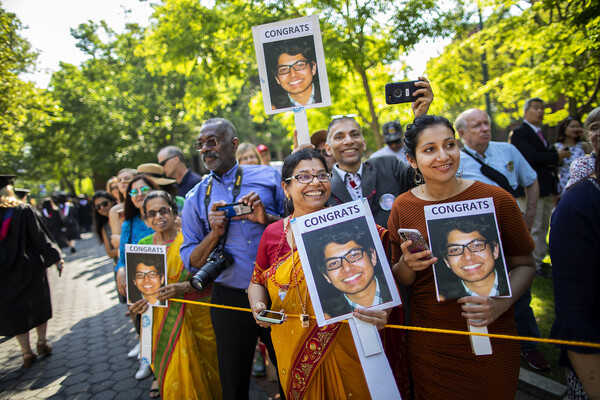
344, 262
145, 267
291, 65
345, 267
464, 236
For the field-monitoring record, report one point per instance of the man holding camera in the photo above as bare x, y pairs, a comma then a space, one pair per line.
230, 245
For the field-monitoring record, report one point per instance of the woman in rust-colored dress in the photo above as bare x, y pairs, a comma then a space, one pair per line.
443, 366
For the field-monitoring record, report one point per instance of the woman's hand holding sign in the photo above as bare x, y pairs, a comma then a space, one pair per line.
407, 266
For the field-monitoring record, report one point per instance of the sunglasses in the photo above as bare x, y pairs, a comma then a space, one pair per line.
344, 116
161, 211
102, 205
143, 191
114, 188
163, 162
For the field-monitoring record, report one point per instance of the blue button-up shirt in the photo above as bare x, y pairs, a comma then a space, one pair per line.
132, 231
504, 158
243, 236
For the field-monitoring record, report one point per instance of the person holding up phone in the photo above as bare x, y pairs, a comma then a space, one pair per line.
438, 362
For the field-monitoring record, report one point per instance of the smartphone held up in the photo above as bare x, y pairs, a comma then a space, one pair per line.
401, 92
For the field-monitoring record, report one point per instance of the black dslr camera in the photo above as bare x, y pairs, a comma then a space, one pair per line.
217, 262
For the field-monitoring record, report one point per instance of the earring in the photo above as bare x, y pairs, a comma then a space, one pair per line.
459, 176
418, 180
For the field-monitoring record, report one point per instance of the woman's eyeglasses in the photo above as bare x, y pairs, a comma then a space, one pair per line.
143, 191
162, 211
114, 188
101, 205
308, 178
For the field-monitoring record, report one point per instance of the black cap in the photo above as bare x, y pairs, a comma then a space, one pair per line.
6, 179
392, 131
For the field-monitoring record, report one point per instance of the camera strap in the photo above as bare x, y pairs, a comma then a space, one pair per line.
237, 187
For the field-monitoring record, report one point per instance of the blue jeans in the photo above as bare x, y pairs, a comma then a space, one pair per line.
525, 320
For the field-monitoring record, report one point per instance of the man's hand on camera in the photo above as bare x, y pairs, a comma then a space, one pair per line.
258, 214
217, 219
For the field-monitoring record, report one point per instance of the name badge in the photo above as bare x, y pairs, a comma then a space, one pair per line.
510, 166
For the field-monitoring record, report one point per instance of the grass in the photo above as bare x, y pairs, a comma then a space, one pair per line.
542, 303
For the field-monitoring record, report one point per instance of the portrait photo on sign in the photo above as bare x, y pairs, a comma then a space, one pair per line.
291, 65
346, 268
146, 273
470, 257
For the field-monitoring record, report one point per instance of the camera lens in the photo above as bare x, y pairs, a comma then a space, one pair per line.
397, 92
217, 262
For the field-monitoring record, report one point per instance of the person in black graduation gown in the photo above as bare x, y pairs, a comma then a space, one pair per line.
26, 250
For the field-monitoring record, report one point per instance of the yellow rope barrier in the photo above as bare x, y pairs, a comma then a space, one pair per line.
416, 328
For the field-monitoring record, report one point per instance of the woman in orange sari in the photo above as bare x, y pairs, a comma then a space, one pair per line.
184, 357
313, 362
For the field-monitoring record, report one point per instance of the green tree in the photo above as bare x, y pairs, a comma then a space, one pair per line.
549, 49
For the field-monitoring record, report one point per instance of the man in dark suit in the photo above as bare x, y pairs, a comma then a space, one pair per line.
543, 158
379, 179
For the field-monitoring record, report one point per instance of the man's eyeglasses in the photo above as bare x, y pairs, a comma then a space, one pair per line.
102, 205
161, 211
299, 65
143, 190
354, 255
210, 143
308, 178
141, 275
163, 162
474, 246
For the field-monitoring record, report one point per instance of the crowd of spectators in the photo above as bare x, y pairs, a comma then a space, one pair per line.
251, 261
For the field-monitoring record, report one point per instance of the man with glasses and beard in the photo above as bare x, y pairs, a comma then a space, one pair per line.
206, 228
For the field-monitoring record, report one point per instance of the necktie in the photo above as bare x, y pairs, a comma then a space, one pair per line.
542, 138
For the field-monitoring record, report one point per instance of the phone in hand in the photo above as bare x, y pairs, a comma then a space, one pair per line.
418, 241
401, 92
273, 317
235, 209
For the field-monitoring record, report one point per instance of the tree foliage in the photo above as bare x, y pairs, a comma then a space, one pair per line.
549, 49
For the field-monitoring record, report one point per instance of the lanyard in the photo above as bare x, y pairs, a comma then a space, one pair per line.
237, 186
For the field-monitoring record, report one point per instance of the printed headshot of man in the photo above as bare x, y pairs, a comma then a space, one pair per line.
472, 252
148, 280
294, 68
346, 268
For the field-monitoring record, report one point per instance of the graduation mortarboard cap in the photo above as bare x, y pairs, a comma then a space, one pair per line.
6, 179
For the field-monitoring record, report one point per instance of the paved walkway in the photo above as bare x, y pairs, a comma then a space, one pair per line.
91, 336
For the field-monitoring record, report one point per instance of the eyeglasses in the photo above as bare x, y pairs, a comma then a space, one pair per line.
141, 275
163, 162
210, 143
354, 255
340, 116
143, 191
308, 178
299, 65
114, 188
161, 211
102, 205
474, 246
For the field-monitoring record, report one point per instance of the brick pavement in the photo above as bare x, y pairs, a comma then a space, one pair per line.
90, 336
